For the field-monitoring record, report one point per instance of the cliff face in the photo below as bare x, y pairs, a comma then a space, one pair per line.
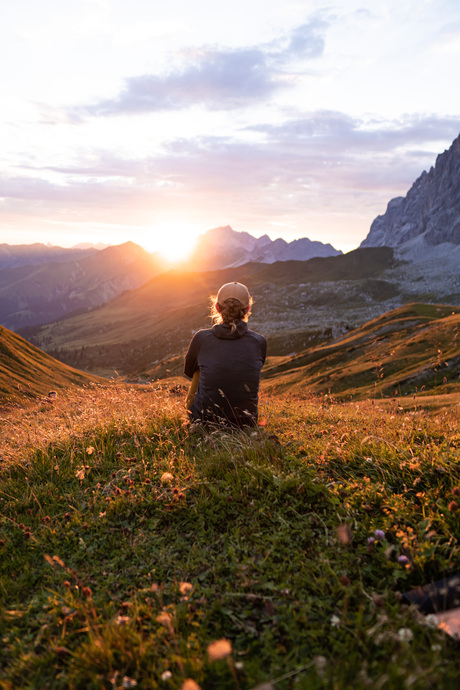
430, 211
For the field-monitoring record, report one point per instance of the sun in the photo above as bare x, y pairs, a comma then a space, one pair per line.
173, 241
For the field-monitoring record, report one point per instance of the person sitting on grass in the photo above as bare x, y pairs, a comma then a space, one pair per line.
224, 363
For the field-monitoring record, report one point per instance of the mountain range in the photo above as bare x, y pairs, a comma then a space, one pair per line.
12, 255
40, 284
223, 248
33, 294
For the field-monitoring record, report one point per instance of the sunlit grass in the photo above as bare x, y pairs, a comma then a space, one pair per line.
133, 553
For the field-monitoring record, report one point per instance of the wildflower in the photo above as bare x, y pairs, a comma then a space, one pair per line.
166, 478
87, 592
379, 534
90, 450
432, 620
165, 619
122, 620
405, 635
166, 675
453, 506
403, 560
128, 682
335, 621
185, 587
220, 649
190, 684
370, 540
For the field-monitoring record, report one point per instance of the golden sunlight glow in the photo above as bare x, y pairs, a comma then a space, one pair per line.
174, 241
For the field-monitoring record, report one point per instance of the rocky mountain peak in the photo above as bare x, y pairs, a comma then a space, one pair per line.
429, 214
224, 247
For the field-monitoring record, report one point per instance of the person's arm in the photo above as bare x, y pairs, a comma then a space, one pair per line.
192, 389
191, 358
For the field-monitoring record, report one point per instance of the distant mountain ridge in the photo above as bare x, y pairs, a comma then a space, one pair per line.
41, 283
426, 222
224, 247
13, 255
38, 294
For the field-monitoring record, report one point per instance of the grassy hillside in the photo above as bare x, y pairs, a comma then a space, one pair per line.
409, 350
135, 554
27, 373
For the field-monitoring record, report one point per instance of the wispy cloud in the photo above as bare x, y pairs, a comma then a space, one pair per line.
325, 156
334, 132
219, 79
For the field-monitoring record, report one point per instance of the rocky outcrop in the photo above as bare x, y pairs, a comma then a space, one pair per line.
429, 215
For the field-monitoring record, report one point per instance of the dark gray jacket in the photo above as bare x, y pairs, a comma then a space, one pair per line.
229, 365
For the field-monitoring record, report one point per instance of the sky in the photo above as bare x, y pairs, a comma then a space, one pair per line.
155, 122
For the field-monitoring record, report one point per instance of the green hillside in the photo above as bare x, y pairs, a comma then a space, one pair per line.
136, 553
27, 373
408, 350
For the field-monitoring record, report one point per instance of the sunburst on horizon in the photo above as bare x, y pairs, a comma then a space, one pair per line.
174, 241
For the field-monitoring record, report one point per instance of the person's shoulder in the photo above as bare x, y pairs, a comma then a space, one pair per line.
200, 335
257, 336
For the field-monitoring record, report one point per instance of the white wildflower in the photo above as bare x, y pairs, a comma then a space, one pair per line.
432, 621
405, 635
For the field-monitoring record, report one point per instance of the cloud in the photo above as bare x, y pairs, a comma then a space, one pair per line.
219, 79
333, 131
306, 41
216, 79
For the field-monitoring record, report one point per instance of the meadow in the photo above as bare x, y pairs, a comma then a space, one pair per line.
135, 552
